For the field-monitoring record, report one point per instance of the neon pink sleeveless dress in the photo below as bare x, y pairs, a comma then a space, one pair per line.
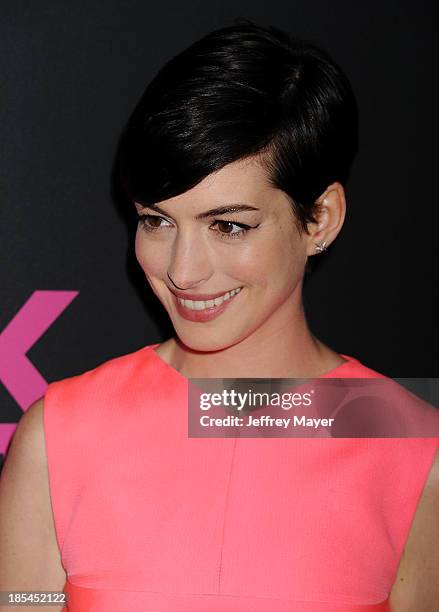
148, 519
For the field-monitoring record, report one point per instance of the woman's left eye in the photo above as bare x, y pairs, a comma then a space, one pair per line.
224, 226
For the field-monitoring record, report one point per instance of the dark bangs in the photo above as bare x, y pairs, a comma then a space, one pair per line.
240, 91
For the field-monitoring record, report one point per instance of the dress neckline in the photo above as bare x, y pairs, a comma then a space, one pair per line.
335, 372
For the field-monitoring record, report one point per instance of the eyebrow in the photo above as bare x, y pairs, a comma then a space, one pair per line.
213, 212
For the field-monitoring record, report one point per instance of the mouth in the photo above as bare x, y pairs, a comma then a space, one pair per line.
205, 304
205, 310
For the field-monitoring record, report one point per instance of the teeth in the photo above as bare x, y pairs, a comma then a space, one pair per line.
203, 304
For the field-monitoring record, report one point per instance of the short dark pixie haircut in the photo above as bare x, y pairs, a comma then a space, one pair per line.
242, 90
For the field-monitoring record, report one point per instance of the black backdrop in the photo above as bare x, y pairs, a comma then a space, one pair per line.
71, 73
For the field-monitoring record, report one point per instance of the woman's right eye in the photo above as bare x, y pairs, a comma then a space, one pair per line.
150, 223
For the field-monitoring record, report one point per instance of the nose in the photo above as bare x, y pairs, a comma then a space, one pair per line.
190, 264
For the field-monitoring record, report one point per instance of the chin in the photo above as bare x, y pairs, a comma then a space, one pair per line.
206, 341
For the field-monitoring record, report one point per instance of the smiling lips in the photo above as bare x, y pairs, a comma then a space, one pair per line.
204, 310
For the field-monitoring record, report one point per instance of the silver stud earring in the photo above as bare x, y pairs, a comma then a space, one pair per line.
320, 248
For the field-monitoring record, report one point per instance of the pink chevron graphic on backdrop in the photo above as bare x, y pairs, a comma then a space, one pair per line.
17, 373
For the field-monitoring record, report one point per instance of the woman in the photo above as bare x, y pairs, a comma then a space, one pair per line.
235, 162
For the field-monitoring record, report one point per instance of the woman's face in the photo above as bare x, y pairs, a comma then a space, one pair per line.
189, 252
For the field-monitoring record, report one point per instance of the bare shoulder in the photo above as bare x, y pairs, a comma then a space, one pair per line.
417, 582
29, 435
29, 553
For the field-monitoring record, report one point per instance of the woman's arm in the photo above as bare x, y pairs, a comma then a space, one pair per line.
29, 554
416, 587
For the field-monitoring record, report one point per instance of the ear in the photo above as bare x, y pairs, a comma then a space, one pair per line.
329, 218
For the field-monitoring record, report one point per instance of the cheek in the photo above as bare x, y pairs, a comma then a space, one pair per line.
271, 262
241, 264
151, 258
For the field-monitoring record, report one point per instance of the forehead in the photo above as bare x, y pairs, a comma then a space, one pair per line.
244, 181
244, 177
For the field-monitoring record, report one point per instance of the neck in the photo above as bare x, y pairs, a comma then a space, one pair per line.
283, 347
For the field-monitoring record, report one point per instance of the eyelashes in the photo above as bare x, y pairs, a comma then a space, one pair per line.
147, 223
